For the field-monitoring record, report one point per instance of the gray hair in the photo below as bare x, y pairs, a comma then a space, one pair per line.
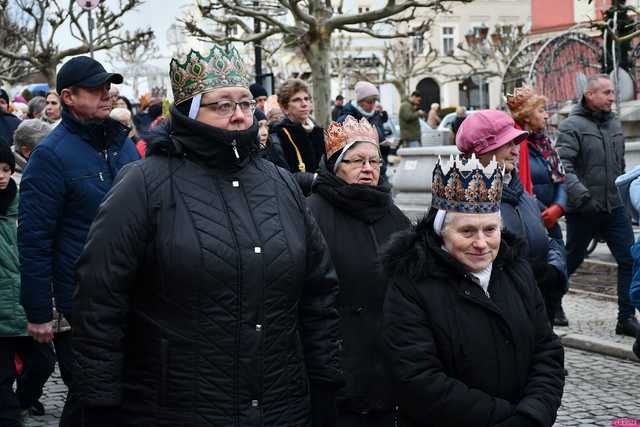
30, 133
593, 80
36, 105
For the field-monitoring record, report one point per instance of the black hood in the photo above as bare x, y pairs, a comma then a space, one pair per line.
417, 253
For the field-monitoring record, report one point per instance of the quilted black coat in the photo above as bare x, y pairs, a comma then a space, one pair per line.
206, 292
459, 357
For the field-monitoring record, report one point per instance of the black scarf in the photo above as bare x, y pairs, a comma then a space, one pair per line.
213, 147
366, 202
511, 193
99, 133
7, 196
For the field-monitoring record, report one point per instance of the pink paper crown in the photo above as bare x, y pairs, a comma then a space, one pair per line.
339, 135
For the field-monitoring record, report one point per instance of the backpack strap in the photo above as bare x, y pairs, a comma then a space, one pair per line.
301, 165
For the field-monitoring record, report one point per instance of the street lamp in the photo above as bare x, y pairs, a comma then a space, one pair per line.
479, 45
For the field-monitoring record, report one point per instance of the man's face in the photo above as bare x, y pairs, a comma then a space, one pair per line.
601, 96
339, 102
3, 105
89, 104
415, 100
260, 101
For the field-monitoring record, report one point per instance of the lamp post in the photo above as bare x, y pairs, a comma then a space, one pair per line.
272, 8
88, 6
480, 46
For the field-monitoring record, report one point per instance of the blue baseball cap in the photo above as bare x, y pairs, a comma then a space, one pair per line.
83, 71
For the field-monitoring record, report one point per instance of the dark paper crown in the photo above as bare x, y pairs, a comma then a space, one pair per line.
464, 185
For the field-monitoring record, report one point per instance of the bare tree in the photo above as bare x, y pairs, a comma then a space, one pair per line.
39, 50
310, 25
11, 70
400, 63
134, 60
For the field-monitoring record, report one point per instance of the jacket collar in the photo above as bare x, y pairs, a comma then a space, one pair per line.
595, 116
511, 193
100, 135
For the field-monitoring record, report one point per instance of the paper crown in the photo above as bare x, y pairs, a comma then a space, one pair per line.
339, 135
199, 74
520, 97
464, 185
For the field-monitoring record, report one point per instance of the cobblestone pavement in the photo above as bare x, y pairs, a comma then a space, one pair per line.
593, 317
598, 390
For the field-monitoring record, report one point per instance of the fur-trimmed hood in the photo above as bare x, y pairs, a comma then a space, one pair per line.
416, 253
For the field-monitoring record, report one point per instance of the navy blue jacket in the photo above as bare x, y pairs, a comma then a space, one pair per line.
8, 125
66, 179
521, 216
547, 191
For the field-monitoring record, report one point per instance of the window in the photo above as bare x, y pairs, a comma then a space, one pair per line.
364, 10
418, 44
448, 40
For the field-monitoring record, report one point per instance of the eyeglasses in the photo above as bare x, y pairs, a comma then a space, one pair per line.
359, 163
227, 108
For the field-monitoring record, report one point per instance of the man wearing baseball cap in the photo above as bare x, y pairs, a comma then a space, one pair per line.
67, 177
492, 134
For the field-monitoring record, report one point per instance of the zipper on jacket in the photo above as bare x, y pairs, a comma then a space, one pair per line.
235, 149
101, 176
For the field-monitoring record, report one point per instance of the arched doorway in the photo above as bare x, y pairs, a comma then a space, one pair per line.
430, 91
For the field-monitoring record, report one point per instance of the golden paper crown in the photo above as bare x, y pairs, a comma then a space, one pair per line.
339, 135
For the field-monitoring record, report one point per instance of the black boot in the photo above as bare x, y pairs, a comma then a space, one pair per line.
629, 327
560, 318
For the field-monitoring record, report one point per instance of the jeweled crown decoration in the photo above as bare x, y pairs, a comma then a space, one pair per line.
339, 135
200, 74
464, 185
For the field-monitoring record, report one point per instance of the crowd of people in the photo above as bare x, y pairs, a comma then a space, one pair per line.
226, 260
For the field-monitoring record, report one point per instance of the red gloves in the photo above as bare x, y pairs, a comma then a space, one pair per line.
551, 215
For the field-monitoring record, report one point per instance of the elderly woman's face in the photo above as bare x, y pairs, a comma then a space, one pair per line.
472, 239
507, 155
537, 118
229, 108
360, 165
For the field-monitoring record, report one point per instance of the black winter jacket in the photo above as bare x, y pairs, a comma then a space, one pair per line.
458, 357
356, 220
283, 153
591, 147
206, 294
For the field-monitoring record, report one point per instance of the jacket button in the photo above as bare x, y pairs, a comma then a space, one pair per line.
467, 292
358, 309
255, 403
507, 342
236, 183
258, 327
257, 249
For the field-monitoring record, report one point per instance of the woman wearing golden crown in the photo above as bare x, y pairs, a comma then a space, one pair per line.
464, 323
206, 294
357, 216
